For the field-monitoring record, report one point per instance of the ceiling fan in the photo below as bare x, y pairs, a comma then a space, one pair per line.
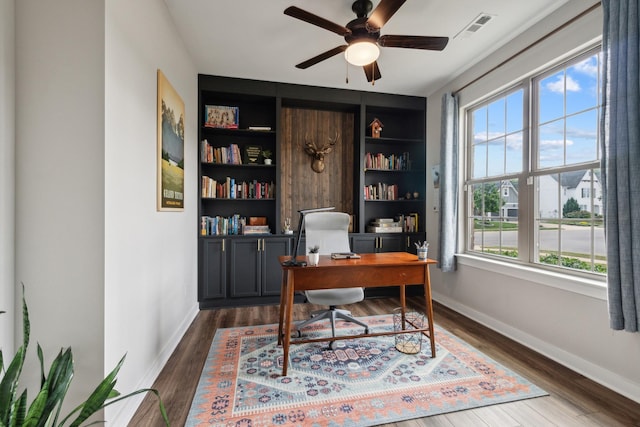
363, 35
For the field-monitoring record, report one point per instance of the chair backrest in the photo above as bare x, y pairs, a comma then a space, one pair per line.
328, 230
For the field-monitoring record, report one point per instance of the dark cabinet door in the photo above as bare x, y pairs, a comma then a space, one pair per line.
364, 243
371, 243
245, 268
272, 248
213, 274
394, 243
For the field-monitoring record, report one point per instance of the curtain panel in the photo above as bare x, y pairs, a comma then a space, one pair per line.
620, 138
448, 221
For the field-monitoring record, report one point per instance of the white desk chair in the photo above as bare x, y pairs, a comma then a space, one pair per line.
330, 231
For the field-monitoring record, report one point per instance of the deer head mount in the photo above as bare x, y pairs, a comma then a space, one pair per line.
317, 153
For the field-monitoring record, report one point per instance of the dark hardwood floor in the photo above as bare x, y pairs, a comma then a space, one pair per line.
573, 399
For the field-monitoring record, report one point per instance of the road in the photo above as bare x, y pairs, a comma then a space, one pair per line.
575, 239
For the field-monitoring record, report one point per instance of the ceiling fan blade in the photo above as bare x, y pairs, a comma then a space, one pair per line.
414, 42
305, 16
325, 55
382, 13
372, 71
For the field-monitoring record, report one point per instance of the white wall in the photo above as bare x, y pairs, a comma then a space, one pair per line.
150, 256
564, 319
105, 273
60, 181
7, 177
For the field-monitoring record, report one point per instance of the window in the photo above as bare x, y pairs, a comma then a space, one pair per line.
533, 179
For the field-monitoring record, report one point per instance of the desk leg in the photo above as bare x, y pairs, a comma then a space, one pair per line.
283, 307
288, 320
429, 306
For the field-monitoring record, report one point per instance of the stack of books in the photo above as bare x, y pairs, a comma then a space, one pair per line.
255, 229
384, 225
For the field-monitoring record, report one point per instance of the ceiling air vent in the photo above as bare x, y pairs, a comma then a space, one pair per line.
474, 26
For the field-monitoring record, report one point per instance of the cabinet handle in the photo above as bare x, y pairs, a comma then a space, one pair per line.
262, 244
223, 245
408, 242
258, 242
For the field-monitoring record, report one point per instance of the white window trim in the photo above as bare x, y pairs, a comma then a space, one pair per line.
568, 282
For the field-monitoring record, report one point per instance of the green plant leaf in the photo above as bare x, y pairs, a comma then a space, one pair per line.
57, 383
96, 400
35, 413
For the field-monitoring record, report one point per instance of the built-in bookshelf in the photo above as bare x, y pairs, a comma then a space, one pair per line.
236, 183
394, 178
239, 220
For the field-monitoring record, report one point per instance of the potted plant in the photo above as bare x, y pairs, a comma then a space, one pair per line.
266, 154
314, 255
45, 408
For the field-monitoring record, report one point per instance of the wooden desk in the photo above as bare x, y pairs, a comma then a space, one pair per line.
371, 270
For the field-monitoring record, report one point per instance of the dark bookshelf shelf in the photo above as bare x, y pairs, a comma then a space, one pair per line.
232, 165
227, 199
238, 132
383, 140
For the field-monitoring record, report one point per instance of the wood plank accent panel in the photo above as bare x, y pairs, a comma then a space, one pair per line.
308, 189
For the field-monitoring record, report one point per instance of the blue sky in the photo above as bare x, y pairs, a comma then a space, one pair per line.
568, 118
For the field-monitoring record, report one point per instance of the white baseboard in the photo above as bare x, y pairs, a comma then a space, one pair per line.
122, 413
602, 376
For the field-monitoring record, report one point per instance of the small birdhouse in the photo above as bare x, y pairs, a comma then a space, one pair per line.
376, 128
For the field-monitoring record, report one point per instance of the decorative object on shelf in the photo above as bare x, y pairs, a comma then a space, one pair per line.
287, 226
221, 116
314, 255
376, 128
252, 154
416, 194
170, 133
407, 196
317, 153
266, 155
423, 249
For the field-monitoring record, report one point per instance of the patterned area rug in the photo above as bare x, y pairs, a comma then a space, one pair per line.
362, 382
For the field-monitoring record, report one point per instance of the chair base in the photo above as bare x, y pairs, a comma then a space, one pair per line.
332, 314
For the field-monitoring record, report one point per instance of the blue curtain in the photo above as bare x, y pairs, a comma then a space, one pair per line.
620, 136
448, 221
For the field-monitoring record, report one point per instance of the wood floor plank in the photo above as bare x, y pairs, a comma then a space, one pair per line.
573, 398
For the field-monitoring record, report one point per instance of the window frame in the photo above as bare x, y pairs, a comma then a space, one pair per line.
527, 201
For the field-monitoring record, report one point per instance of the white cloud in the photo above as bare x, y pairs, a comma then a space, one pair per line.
558, 85
550, 144
589, 67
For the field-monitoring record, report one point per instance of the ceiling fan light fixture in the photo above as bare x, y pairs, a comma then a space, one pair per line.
362, 53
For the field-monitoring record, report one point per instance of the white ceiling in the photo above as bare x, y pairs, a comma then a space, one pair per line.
254, 39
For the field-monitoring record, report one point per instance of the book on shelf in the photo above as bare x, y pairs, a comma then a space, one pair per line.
229, 188
381, 161
378, 229
345, 255
255, 229
381, 191
220, 155
221, 226
408, 222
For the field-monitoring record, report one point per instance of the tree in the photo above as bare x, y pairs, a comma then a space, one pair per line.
570, 206
486, 198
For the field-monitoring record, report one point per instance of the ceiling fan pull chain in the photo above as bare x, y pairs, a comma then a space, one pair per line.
347, 79
373, 73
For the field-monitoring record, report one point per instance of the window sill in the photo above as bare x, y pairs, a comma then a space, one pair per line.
589, 287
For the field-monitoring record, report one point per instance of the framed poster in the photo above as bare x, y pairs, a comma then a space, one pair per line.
170, 132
